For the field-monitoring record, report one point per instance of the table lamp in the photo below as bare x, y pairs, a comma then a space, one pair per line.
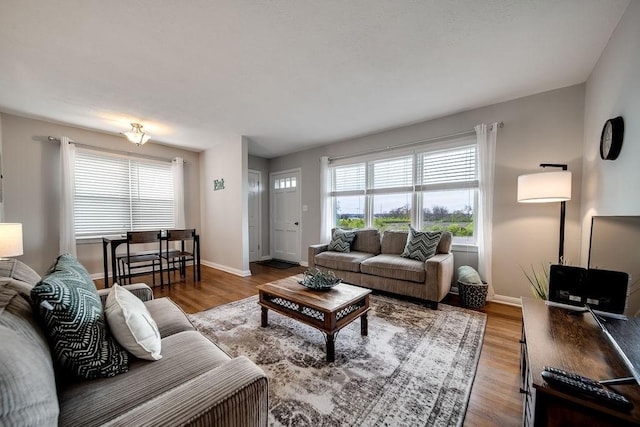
10, 239
548, 187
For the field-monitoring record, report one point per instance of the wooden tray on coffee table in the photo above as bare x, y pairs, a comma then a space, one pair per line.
329, 311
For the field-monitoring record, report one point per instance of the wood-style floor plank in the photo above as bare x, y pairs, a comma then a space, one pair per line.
495, 398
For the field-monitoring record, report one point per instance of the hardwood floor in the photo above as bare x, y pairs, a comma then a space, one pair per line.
495, 398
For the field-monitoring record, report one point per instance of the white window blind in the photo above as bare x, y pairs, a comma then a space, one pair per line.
447, 169
116, 194
392, 175
349, 179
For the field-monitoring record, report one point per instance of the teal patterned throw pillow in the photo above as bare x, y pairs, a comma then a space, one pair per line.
68, 304
421, 245
341, 240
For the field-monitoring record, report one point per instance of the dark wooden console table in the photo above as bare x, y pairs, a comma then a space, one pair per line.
553, 337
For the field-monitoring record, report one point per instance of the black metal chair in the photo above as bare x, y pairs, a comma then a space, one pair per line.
183, 254
132, 261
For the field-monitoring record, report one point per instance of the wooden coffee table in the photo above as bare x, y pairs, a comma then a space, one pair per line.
329, 311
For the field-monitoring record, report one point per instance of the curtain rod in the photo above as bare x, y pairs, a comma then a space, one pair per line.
409, 144
109, 150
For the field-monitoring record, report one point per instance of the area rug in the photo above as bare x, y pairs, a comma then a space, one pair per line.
415, 368
276, 263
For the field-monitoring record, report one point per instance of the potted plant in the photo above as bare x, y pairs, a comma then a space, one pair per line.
539, 281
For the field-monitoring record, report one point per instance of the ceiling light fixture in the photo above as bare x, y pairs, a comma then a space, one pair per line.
136, 135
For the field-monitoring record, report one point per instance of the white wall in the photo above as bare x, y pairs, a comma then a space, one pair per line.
544, 128
32, 185
613, 89
224, 214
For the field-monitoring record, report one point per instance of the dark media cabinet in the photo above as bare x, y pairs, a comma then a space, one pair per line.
553, 337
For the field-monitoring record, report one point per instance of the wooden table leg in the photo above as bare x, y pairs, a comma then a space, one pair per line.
364, 325
331, 348
264, 320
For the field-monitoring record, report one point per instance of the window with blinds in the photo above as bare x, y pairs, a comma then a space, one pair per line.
431, 189
454, 168
116, 194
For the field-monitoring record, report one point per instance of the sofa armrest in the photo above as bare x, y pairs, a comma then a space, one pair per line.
315, 250
141, 290
439, 269
233, 394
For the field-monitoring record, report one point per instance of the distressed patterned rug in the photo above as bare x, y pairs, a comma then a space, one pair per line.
415, 368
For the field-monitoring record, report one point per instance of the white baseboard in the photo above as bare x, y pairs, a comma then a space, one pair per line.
503, 299
241, 273
265, 258
304, 263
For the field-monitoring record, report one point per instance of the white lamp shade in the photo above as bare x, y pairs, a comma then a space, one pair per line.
544, 187
10, 239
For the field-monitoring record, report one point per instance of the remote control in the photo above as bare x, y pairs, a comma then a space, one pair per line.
597, 394
573, 376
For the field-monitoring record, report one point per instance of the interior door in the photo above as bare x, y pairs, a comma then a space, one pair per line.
254, 216
285, 215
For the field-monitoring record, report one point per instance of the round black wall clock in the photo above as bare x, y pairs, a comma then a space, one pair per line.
611, 138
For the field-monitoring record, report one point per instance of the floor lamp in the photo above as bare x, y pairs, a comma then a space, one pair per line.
548, 187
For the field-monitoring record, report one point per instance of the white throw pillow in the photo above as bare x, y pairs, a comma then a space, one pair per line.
132, 325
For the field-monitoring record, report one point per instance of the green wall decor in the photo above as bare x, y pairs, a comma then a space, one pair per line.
218, 184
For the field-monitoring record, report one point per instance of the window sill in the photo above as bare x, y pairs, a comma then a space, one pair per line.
464, 247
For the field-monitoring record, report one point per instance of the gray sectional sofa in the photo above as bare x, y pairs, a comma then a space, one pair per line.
376, 263
195, 383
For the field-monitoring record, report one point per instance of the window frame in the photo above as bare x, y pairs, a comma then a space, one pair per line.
146, 204
417, 189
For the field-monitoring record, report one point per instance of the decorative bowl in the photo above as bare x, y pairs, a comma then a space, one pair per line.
319, 280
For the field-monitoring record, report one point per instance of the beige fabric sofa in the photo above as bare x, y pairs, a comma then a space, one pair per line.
377, 264
195, 383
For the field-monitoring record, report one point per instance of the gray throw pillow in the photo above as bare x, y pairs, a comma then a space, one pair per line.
341, 240
421, 245
72, 314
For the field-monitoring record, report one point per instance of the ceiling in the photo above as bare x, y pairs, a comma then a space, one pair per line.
288, 74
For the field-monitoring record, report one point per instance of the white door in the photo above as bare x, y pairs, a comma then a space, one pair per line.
255, 236
285, 215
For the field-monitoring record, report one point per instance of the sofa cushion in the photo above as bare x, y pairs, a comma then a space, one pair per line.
27, 382
341, 240
444, 246
366, 240
421, 245
186, 355
394, 267
168, 316
341, 261
23, 288
18, 270
394, 241
132, 325
68, 304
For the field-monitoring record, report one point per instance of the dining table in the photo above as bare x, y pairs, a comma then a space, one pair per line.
110, 244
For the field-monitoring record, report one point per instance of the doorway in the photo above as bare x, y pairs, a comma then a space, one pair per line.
284, 196
255, 216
